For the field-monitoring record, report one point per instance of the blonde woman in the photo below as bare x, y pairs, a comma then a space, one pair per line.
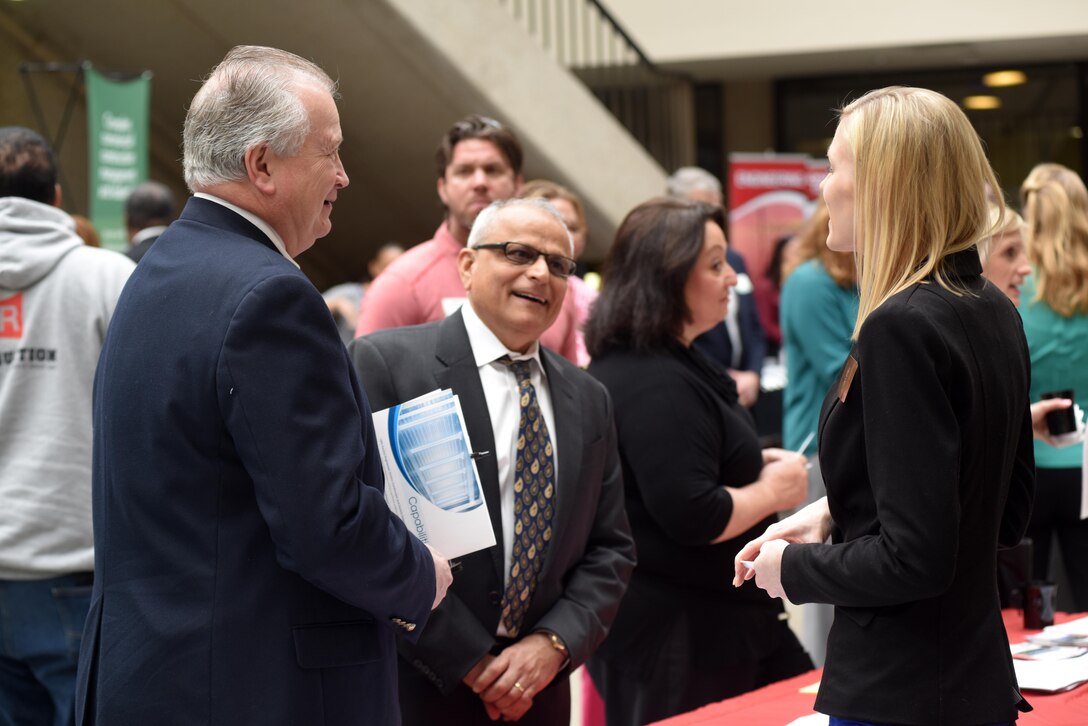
924, 439
1005, 264
1055, 313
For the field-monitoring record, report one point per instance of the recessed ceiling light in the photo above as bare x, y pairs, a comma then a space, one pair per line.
982, 103
1000, 79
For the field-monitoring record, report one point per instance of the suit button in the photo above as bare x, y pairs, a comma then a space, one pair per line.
494, 598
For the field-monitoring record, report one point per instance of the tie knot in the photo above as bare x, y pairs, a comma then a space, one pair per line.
519, 367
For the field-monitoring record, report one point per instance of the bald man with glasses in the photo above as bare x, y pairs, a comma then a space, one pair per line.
521, 614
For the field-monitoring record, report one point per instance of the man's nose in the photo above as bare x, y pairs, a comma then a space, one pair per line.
341, 174
539, 268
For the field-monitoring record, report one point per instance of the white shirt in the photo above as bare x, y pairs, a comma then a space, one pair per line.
147, 232
257, 222
503, 404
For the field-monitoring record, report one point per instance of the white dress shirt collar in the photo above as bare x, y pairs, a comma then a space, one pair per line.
147, 232
486, 347
257, 222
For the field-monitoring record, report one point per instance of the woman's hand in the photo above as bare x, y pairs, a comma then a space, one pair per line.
1039, 410
767, 567
782, 484
785, 474
811, 525
771, 454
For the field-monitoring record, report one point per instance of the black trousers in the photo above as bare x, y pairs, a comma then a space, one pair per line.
1057, 513
677, 685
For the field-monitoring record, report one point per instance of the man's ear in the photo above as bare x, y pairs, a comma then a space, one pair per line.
442, 191
466, 264
258, 161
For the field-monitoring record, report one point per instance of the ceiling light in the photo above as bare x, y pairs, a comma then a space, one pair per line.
1000, 79
982, 103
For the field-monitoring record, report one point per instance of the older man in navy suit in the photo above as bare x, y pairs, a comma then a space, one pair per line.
247, 568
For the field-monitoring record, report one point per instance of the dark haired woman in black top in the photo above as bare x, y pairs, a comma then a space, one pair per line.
697, 485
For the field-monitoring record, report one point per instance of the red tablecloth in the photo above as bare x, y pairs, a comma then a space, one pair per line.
780, 703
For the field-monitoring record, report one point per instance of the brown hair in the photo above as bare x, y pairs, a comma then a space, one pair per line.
486, 129
642, 306
28, 167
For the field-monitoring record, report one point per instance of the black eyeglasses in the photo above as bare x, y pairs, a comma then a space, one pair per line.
521, 254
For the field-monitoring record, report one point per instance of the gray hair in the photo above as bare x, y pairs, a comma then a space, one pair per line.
688, 179
485, 220
250, 98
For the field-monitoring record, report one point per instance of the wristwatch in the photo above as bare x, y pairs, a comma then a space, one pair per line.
559, 645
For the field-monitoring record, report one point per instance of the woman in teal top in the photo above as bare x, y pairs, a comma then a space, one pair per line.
1054, 307
818, 310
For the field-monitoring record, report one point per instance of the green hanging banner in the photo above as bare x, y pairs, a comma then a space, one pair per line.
117, 133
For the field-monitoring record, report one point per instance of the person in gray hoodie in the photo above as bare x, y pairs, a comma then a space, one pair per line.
56, 299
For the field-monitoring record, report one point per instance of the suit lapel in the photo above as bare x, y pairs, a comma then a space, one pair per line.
458, 372
568, 437
833, 398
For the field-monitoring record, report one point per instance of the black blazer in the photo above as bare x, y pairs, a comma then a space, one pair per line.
247, 569
589, 561
929, 466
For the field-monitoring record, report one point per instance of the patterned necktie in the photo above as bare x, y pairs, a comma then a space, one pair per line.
534, 499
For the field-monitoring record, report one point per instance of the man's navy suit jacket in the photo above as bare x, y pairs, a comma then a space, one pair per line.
247, 568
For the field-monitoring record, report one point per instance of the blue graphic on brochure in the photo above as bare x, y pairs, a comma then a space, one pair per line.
431, 479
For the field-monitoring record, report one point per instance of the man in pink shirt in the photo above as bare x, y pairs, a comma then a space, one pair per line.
479, 162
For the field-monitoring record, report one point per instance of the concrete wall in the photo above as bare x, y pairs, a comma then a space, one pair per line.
568, 136
407, 69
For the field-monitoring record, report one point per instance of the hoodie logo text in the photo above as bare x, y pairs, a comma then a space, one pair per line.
11, 316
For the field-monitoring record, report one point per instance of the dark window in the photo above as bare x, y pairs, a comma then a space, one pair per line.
1041, 120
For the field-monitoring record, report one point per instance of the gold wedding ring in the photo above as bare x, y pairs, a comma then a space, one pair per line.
519, 686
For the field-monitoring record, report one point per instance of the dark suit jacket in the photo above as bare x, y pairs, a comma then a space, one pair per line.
247, 568
137, 252
928, 465
716, 344
590, 559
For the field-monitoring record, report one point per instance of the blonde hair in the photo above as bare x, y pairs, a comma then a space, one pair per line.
1055, 205
920, 177
812, 244
545, 189
1003, 221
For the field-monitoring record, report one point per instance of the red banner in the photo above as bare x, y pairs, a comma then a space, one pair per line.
770, 196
